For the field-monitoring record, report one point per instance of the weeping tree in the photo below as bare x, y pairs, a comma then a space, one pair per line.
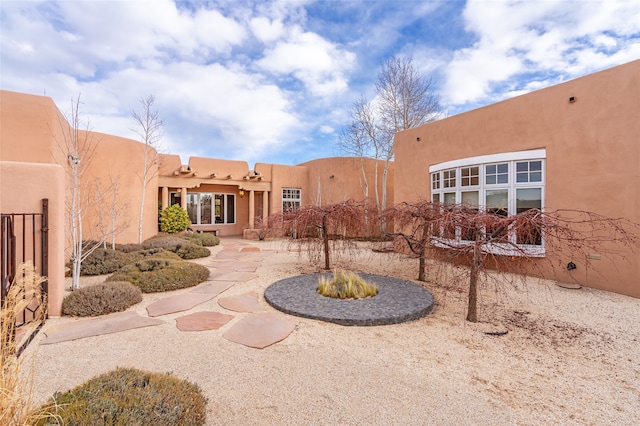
491, 242
321, 228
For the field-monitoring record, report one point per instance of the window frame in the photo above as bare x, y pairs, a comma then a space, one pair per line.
293, 197
512, 159
225, 219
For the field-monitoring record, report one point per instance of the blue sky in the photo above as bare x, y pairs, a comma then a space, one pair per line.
273, 81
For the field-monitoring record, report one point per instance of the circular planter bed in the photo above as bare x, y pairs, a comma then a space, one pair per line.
397, 301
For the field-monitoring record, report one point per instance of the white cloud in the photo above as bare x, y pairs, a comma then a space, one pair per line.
319, 64
517, 38
266, 30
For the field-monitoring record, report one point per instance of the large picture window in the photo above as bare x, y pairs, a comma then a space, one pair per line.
503, 184
208, 208
291, 199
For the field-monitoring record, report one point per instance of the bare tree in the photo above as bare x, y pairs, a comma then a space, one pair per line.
317, 227
489, 242
404, 98
112, 211
78, 144
149, 128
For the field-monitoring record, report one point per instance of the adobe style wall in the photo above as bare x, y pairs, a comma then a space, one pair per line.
22, 189
592, 148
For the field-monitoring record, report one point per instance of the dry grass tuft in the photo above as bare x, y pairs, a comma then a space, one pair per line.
15, 391
346, 285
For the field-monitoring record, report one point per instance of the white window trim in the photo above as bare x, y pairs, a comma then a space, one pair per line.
512, 186
533, 154
213, 207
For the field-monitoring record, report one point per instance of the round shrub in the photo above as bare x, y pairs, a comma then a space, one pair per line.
203, 239
179, 245
101, 299
103, 261
174, 219
155, 274
163, 241
191, 251
128, 396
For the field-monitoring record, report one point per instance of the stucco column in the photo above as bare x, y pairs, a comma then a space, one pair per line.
183, 198
252, 209
265, 207
165, 197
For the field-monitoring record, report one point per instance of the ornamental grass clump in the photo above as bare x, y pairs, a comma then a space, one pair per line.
130, 397
101, 299
15, 392
154, 274
346, 285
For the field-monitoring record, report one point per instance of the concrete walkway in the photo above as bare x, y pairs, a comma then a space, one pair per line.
237, 262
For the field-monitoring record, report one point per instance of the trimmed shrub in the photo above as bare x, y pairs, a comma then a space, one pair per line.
129, 397
203, 239
174, 219
155, 274
128, 248
346, 285
101, 299
177, 244
163, 241
191, 251
103, 261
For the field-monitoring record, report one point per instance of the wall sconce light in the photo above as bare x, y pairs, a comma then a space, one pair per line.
571, 266
179, 190
74, 159
241, 193
572, 99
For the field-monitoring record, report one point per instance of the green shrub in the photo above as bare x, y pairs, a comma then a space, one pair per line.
174, 219
155, 274
101, 299
128, 248
346, 285
203, 239
191, 251
103, 261
156, 253
163, 241
177, 244
130, 397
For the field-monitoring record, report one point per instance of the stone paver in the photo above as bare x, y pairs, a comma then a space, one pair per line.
260, 330
247, 302
232, 276
178, 303
236, 262
201, 321
106, 324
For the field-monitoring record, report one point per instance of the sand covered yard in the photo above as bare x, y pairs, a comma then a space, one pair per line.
569, 357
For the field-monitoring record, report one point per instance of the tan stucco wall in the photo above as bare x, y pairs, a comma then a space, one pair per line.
336, 179
120, 161
22, 192
592, 145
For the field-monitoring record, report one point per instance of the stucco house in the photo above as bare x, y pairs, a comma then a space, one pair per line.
573, 145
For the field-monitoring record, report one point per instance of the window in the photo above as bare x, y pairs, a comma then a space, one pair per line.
206, 208
291, 199
503, 184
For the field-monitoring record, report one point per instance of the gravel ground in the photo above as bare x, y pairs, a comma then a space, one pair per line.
569, 357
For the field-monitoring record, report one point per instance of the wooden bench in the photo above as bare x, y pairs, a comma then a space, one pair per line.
206, 228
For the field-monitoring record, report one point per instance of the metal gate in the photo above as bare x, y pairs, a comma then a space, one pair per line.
23, 238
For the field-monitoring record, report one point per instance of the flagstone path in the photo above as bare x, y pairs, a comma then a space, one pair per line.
236, 262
